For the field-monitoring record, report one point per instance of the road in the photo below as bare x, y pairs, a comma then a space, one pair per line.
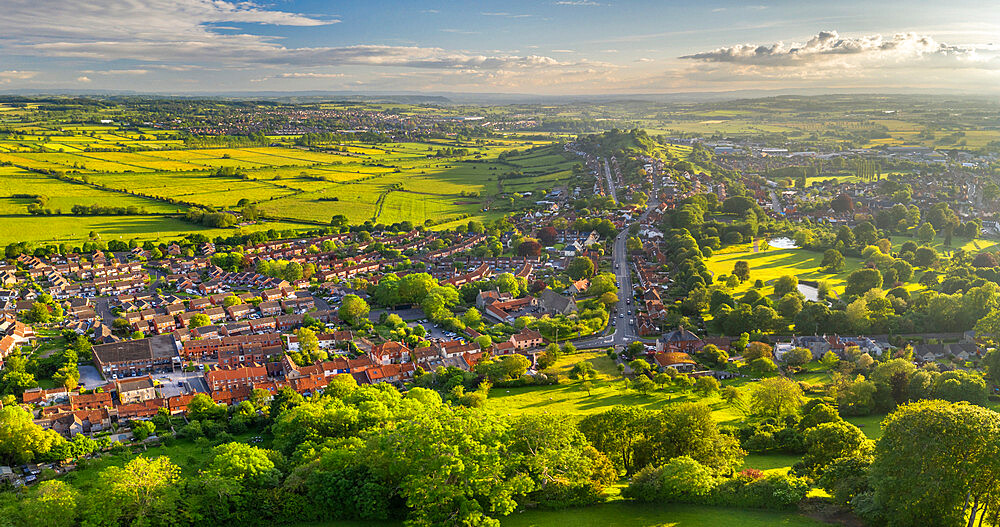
624, 313
611, 183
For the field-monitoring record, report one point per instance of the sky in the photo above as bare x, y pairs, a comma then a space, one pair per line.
552, 47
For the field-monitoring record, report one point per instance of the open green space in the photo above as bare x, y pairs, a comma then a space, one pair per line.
56, 229
769, 264
625, 514
383, 183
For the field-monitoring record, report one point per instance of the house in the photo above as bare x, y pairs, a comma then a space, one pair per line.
554, 303
526, 339
677, 360
679, 340
136, 357
135, 390
90, 401
218, 379
580, 286
390, 352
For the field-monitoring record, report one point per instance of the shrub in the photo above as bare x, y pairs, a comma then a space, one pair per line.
681, 480
773, 491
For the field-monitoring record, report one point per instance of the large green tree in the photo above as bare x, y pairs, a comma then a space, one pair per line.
937, 463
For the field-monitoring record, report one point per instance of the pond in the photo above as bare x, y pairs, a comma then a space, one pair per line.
811, 293
782, 243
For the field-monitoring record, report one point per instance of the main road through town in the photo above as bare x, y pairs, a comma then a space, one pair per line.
623, 315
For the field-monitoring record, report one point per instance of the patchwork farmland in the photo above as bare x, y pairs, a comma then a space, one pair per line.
45, 171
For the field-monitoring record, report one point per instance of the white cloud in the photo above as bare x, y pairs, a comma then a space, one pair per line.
301, 75
506, 15
117, 72
16, 75
83, 79
645, 59
830, 46
579, 3
180, 33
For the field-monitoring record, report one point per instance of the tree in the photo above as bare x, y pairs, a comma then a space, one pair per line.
776, 397
797, 357
231, 300
712, 356
472, 317
842, 203
580, 267
142, 429
529, 248
54, 504
38, 314
960, 385
937, 464
143, 492
639, 366
643, 385
827, 442
547, 235
741, 270
21, 440
863, 280
616, 432
353, 309
926, 233
199, 320
757, 350
247, 464
763, 366
786, 284
731, 394
202, 407
926, 257
583, 370
688, 429
833, 261
706, 385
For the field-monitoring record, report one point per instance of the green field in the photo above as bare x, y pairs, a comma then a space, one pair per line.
56, 229
625, 514
769, 264
382, 183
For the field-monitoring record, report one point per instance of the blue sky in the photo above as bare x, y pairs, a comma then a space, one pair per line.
550, 47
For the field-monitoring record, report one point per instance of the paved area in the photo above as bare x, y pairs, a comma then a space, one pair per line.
90, 378
176, 383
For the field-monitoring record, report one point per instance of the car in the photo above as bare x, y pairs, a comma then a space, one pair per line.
621, 315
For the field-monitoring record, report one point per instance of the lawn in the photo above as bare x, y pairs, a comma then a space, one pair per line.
772, 263
771, 462
57, 229
627, 514
966, 244
871, 425
570, 399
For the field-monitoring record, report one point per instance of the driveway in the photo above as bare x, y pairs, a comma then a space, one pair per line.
90, 378
190, 382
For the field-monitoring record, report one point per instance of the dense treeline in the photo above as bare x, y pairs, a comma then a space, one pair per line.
357, 452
